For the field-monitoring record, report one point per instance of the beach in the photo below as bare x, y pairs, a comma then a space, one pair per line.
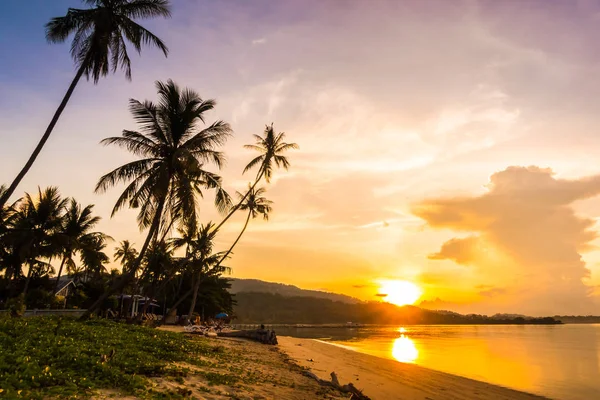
382, 379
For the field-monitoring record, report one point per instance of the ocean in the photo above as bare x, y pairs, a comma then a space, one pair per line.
557, 361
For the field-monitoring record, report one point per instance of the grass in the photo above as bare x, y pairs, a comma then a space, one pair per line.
64, 358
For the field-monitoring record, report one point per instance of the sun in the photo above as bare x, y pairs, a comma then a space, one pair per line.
399, 293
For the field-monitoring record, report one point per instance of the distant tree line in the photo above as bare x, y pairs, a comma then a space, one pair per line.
269, 308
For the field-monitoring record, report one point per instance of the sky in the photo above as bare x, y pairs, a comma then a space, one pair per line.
449, 144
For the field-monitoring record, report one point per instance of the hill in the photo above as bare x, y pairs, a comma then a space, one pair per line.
258, 286
273, 308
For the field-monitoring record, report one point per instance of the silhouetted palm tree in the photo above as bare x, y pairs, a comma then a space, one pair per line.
6, 215
74, 233
93, 256
271, 146
256, 204
34, 230
126, 254
202, 260
165, 182
98, 46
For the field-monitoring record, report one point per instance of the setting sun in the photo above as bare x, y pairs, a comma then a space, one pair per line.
399, 293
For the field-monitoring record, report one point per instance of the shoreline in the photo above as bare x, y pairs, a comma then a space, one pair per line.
384, 379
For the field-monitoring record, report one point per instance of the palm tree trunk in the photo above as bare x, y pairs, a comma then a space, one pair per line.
177, 303
42, 142
238, 205
28, 279
126, 278
195, 295
197, 286
62, 264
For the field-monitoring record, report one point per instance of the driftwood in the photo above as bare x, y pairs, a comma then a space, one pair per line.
264, 336
335, 383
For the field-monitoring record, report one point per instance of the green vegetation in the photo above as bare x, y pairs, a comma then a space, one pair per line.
63, 357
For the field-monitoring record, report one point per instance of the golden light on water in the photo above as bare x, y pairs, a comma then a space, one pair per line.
404, 349
399, 292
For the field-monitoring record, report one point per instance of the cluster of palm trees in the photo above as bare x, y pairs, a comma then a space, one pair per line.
174, 149
35, 230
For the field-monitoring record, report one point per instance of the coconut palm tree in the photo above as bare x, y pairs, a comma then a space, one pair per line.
159, 265
203, 261
126, 254
272, 148
93, 256
6, 215
167, 180
74, 233
256, 204
34, 231
99, 41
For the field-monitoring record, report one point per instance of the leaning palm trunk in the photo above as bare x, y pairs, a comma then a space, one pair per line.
195, 295
259, 176
236, 241
177, 303
197, 286
44, 139
127, 277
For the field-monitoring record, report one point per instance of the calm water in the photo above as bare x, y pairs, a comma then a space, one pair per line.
558, 361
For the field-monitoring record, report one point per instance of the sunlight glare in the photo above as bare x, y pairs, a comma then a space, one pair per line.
404, 349
399, 293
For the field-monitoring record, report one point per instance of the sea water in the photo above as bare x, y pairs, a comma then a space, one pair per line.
557, 361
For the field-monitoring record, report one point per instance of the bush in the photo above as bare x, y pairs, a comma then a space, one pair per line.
16, 306
58, 302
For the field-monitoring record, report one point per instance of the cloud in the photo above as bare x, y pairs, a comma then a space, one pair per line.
462, 251
260, 41
524, 234
493, 292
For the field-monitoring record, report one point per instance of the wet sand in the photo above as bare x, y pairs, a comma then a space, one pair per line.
383, 379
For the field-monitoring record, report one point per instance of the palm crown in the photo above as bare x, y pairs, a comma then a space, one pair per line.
100, 33
272, 147
255, 203
173, 153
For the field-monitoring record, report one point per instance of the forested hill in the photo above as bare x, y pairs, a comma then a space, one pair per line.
255, 285
271, 308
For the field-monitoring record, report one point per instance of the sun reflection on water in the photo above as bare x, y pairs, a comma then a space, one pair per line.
404, 349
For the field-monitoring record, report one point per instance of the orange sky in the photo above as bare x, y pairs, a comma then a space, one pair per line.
451, 144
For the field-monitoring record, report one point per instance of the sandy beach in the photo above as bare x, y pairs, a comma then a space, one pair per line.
383, 379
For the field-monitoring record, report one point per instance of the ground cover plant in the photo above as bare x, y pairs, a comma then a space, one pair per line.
66, 358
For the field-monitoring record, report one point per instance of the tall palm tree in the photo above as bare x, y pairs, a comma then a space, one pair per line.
6, 215
272, 148
98, 46
126, 254
202, 259
256, 204
159, 265
74, 233
165, 182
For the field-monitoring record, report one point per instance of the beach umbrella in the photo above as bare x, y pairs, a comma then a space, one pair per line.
221, 315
